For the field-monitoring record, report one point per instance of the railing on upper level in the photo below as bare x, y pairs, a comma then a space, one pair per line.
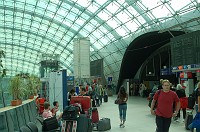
13, 117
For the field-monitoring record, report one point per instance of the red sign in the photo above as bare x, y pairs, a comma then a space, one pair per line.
180, 67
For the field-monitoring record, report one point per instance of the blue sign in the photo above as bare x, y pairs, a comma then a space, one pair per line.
185, 67
166, 71
70, 78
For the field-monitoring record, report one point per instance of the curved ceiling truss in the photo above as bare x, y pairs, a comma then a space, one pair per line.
32, 28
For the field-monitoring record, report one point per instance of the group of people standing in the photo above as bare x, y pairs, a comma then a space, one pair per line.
96, 93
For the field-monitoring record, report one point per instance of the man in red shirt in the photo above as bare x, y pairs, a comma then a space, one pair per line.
164, 111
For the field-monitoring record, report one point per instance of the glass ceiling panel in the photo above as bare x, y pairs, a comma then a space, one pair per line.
48, 28
120, 31
97, 45
83, 3
101, 2
93, 7
103, 15
161, 11
112, 7
177, 5
112, 22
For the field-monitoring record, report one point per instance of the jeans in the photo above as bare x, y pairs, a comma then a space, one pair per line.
163, 124
122, 111
196, 107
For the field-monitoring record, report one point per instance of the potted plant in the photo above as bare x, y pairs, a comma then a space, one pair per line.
33, 86
17, 89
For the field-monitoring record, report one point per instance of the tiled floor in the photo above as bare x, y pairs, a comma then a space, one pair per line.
139, 118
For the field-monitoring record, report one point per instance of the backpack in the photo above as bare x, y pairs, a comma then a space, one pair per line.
70, 113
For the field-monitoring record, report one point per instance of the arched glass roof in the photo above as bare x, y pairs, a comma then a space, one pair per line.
30, 28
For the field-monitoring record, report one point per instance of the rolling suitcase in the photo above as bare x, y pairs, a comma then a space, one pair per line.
188, 119
191, 102
95, 115
84, 124
104, 124
105, 98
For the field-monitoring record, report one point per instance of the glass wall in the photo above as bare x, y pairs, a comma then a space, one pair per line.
5, 97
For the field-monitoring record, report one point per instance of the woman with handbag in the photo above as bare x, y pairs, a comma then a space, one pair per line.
183, 101
122, 102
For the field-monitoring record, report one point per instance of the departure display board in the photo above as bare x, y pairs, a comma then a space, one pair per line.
185, 49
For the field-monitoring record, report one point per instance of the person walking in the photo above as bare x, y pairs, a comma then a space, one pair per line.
165, 99
123, 96
183, 101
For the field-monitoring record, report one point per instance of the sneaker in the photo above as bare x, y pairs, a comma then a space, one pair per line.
176, 119
122, 126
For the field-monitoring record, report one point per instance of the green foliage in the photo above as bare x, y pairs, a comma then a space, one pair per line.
18, 87
33, 83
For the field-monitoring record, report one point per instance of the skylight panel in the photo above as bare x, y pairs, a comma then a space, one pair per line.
67, 22
69, 33
151, 4
80, 21
123, 17
83, 3
101, 2
93, 7
98, 45
42, 4
109, 35
30, 40
177, 5
97, 33
1, 3
33, 2
112, 23
121, 31
35, 24
65, 6
51, 48
132, 26
161, 11
18, 4
104, 41
141, 20
46, 42
59, 48
39, 10
84, 32
29, 7
85, 16
26, 21
88, 27
36, 46
112, 7
103, 15
75, 11
71, 17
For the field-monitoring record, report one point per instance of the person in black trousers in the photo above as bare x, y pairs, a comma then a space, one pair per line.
181, 94
164, 112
